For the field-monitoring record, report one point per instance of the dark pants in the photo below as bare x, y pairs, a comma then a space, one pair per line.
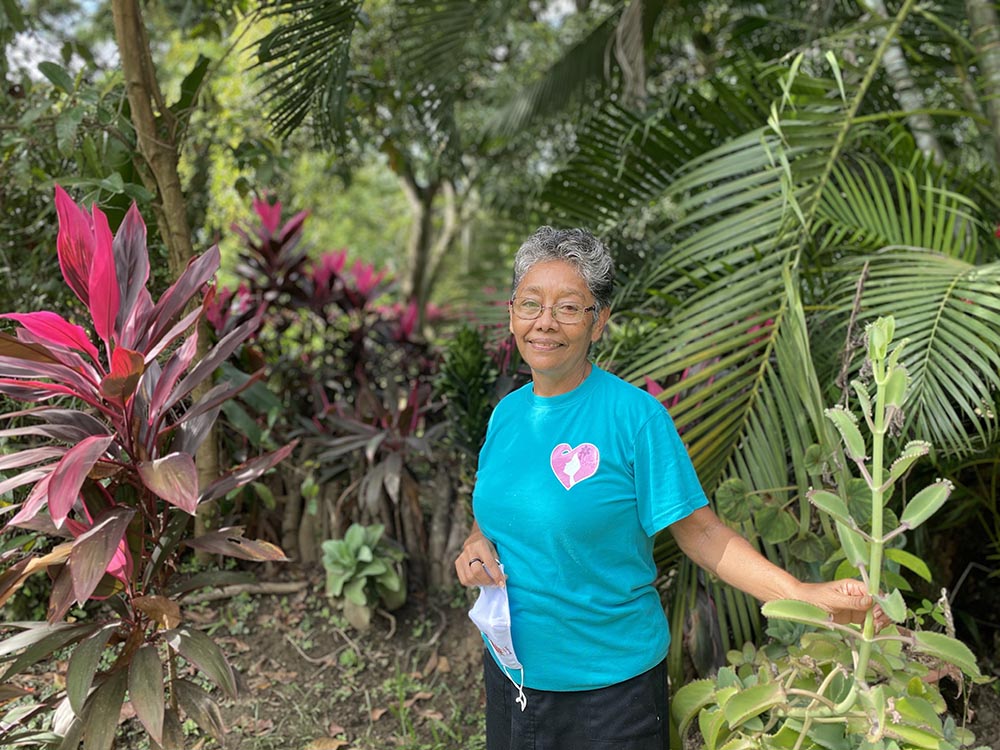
630, 715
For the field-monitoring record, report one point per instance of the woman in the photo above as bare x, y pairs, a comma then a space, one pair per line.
578, 473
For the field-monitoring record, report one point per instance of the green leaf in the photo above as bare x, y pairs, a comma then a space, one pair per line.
864, 399
67, 125
711, 724
753, 701
199, 707
203, 652
775, 525
103, 710
913, 450
83, 665
895, 387
796, 611
831, 504
689, 700
847, 424
808, 548
145, 687
57, 75
354, 591
855, 546
949, 649
893, 605
925, 504
910, 562
731, 501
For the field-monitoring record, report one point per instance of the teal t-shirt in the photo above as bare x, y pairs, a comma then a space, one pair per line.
571, 490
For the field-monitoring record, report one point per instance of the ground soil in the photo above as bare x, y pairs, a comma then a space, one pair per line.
310, 682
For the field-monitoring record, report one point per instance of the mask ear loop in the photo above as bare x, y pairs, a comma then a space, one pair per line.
521, 699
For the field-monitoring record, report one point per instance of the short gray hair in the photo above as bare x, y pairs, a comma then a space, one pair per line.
577, 247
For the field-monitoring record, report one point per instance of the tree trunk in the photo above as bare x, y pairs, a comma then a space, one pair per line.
156, 137
911, 98
986, 37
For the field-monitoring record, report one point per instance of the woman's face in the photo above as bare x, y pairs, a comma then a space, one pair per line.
556, 352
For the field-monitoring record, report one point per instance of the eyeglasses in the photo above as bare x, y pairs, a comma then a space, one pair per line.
564, 312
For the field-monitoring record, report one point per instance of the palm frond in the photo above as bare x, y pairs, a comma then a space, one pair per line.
305, 63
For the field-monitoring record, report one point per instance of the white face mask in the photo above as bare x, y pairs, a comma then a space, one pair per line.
491, 614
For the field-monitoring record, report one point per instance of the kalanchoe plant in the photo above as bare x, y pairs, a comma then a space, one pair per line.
111, 471
844, 686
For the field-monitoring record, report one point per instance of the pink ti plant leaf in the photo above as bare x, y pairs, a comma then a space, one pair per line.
75, 244
54, 329
104, 293
99, 548
127, 367
174, 479
67, 479
131, 270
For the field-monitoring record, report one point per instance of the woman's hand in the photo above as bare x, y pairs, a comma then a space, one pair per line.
477, 565
846, 599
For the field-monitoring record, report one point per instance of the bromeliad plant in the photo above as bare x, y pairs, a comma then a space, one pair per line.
842, 687
110, 470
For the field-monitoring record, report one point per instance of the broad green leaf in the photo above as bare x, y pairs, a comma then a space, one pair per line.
731, 501
913, 450
910, 562
846, 424
103, 709
94, 550
949, 649
57, 75
354, 591
914, 737
796, 611
711, 724
199, 707
689, 700
752, 702
925, 503
895, 387
775, 525
920, 712
203, 652
145, 688
893, 605
173, 478
855, 546
808, 548
831, 504
83, 665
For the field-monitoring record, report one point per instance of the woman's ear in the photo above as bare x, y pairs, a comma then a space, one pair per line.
600, 323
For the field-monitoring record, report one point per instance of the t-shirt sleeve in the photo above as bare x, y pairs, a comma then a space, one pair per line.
666, 485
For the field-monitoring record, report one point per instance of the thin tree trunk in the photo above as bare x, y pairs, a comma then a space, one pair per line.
156, 133
911, 98
986, 37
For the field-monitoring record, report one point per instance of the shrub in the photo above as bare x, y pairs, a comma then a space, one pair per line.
112, 473
839, 686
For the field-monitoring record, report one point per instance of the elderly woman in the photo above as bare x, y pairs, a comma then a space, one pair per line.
578, 473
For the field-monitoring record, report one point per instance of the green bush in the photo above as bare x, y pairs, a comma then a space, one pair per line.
364, 570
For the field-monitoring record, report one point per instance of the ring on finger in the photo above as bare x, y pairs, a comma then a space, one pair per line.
475, 560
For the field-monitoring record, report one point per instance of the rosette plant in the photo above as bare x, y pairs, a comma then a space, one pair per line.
109, 474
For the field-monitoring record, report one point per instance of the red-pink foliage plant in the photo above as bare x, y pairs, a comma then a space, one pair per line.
107, 485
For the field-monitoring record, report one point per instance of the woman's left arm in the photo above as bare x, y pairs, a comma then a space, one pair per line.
712, 545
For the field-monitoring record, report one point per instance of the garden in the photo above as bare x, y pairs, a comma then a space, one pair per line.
254, 267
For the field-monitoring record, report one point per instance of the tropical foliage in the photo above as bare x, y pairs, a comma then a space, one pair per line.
838, 685
103, 464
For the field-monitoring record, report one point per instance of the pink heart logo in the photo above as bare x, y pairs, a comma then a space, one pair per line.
573, 465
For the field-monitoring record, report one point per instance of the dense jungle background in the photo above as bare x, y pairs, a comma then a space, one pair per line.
239, 439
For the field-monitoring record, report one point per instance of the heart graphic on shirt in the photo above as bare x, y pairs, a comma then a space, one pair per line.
573, 465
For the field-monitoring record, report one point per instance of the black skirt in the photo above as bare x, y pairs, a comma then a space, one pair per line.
631, 715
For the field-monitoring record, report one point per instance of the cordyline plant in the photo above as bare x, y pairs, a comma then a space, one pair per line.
842, 687
111, 471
